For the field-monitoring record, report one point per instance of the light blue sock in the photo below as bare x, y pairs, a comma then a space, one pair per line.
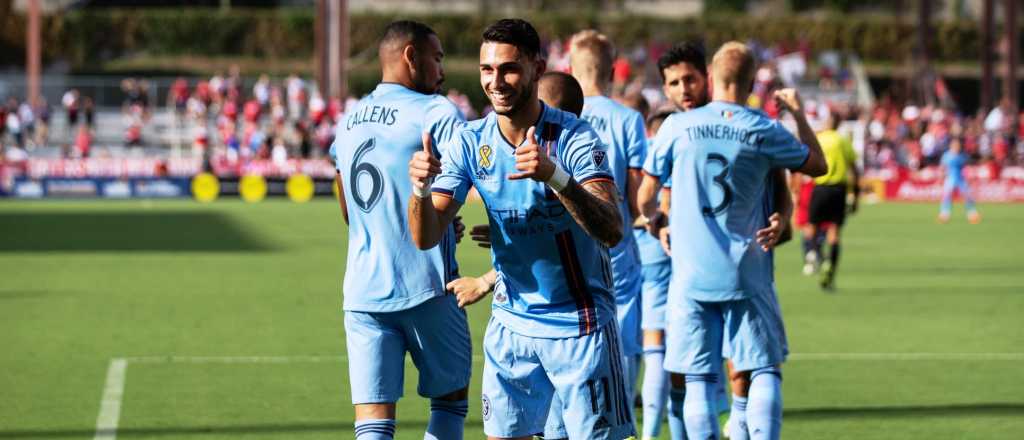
764, 404
655, 390
738, 419
699, 410
676, 425
375, 429
447, 419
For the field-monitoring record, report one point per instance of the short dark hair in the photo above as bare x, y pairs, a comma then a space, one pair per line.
567, 90
685, 52
406, 30
516, 32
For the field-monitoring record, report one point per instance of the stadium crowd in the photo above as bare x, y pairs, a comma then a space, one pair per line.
277, 120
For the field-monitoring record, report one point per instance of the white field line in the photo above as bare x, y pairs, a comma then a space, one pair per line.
110, 403
113, 391
792, 357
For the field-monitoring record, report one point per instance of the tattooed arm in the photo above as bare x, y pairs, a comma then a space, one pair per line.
594, 206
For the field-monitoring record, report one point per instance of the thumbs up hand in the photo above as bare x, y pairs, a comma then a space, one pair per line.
532, 161
423, 168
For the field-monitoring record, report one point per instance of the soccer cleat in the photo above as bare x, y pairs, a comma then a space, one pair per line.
973, 217
810, 263
943, 219
828, 279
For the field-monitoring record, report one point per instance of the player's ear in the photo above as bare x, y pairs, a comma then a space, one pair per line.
540, 67
409, 56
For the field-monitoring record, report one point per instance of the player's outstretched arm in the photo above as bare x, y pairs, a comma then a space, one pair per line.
815, 165
429, 215
593, 206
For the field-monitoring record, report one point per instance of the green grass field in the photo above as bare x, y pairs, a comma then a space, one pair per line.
923, 339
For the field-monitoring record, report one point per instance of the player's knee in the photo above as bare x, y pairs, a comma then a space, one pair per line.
678, 381
740, 382
367, 411
654, 338
455, 396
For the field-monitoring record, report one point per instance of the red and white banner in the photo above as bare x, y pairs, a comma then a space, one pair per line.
987, 183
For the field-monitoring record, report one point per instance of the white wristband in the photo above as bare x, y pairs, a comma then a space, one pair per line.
421, 193
559, 179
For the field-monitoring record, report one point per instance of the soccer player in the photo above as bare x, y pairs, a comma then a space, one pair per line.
828, 198
683, 72
395, 299
553, 213
622, 131
722, 159
953, 161
684, 77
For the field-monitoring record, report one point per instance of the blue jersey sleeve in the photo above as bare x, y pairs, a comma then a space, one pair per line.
659, 155
636, 141
783, 149
454, 180
585, 157
443, 119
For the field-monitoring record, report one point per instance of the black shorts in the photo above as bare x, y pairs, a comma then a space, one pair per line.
828, 204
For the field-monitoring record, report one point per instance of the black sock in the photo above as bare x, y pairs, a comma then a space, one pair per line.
834, 256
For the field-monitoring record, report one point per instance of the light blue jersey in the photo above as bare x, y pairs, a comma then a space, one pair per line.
554, 280
719, 158
954, 163
621, 129
384, 271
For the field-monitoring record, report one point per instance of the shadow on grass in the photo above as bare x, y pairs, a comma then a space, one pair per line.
173, 231
965, 410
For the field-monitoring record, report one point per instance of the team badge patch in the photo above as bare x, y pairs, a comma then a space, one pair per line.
485, 409
485, 152
598, 156
500, 297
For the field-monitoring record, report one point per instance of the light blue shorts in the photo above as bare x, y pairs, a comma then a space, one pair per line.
749, 332
523, 374
434, 333
655, 294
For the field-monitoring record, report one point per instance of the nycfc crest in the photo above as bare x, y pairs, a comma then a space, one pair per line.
485, 409
598, 156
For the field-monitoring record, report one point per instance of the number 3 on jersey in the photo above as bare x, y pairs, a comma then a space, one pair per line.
719, 180
365, 202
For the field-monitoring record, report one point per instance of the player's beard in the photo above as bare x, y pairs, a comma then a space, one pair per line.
522, 98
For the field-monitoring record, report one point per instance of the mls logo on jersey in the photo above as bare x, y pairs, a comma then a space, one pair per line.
598, 156
485, 152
